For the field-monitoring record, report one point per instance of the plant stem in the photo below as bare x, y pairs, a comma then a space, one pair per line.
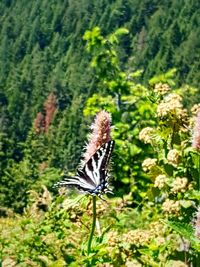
93, 223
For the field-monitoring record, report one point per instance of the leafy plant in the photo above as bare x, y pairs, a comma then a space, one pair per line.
126, 100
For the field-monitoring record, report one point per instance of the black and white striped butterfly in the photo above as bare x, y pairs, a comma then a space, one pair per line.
93, 177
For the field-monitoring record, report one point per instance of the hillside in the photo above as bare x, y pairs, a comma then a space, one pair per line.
99, 133
45, 74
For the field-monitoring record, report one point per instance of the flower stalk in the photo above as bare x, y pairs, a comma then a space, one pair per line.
100, 135
94, 216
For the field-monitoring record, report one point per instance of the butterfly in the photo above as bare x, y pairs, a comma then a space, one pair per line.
93, 177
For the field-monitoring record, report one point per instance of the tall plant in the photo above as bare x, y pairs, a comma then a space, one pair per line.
126, 100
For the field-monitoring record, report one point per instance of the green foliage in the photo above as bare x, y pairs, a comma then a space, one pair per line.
164, 78
173, 172
48, 57
126, 101
54, 232
187, 232
150, 225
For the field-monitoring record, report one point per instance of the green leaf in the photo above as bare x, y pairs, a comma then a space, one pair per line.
169, 169
194, 194
121, 31
186, 203
164, 78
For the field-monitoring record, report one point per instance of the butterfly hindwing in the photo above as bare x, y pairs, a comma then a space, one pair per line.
96, 167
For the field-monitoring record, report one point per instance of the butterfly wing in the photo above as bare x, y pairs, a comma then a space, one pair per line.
98, 163
78, 181
93, 177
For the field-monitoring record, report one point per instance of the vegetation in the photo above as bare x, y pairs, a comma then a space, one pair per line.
56, 75
163, 230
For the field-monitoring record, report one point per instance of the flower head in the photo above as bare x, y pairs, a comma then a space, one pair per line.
137, 237
160, 181
171, 104
177, 263
171, 206
179, 185
161, 88
100, 135
148, 164
132, 263
157, 229
196, 134
173, 157
113, 238
195, 109
145, 135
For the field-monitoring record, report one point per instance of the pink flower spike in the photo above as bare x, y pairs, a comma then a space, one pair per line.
100, 134
197, 223
196, 134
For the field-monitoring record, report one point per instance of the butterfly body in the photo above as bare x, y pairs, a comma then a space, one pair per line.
93, 177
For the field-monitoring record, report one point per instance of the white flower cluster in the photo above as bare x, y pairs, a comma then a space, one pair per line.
160, 181
157, 229
179, 185
195, 109
161, 88
171, 206
132, 263
171, 104
146, 135
174, 263
148, 164
173, 157
160, 241
113, 238
137, 237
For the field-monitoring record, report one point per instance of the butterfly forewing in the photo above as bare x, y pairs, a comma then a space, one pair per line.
97, 165
93, 178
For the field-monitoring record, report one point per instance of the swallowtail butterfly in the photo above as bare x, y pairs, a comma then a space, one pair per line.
93, 177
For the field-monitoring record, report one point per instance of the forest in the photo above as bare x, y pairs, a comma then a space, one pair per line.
82, 82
